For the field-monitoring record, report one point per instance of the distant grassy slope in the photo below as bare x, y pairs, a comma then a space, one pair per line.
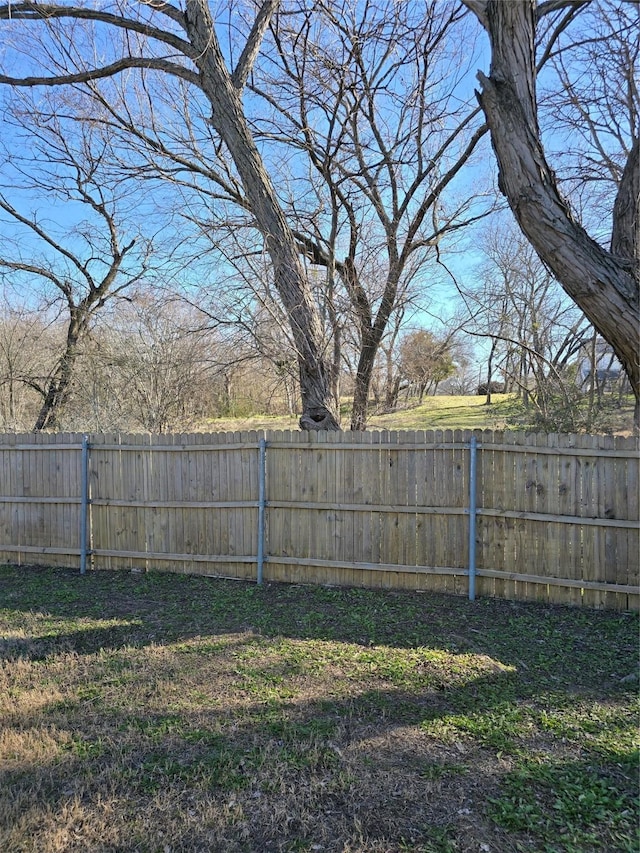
450, 413
435, 413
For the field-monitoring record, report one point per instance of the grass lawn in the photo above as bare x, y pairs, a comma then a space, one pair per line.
438, 413
168, 713
433, 413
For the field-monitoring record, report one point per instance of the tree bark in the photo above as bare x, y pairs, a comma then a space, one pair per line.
319, 409
59, 384
605, 285
366, 363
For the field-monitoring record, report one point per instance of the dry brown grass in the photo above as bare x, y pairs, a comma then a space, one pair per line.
173, 714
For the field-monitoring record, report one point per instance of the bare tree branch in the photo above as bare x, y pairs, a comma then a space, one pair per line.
106, 71
254, 41
53, 11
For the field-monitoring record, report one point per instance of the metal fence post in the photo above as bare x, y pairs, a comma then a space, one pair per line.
84, 504
472, 516
262, 477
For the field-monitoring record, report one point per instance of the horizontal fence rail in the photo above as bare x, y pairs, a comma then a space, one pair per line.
529, 517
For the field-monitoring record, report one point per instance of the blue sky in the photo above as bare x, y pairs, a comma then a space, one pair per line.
442, 295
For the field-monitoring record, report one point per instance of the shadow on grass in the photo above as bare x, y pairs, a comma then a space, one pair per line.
314, 753
385, 768
337, 769
562, 646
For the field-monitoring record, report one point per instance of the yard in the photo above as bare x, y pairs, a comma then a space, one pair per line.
164, 713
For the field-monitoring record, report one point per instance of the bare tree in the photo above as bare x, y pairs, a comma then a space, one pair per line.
27, 344
181, 42
604, 282
589, 107
536, 331
78, 263
372, 95
154, 365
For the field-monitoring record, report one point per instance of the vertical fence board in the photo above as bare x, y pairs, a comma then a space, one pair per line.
280, 464
537, 497
389, 486
225, 541
164, 468
144, 483
20, 509
250, 491
195, 521
606, 503
621, 508
125, 525
410, 548
501, 475
554, 530
425, 554
42, 475
234, 479
406, 521
485, 525
361, 460
338, 487
97, 477
545, 564
372, 477
186, 519
513, 467
214, 493
307, 472
438, 524
445, 480
461, 521
589, 469
484, 585
548, 504
522, 528
32, 514
329, 520
6, 490
419, 474
632, 502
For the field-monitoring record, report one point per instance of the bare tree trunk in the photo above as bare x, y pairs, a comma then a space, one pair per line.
492, 351
392, 377
319, 410
366, 363
59, 384
371, 332
605, 285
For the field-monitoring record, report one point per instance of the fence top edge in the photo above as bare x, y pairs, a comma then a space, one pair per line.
514, 440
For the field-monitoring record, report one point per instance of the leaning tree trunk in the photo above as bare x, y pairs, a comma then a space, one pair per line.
59, 384
319, 408
56, 394
604, 284
371, 333
362, 385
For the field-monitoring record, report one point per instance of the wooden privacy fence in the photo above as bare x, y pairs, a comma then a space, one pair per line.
537, 517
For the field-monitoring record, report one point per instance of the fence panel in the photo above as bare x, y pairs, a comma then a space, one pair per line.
179, 503
557, 515
40, 499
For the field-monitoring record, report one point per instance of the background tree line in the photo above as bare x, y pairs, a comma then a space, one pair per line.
283, 187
